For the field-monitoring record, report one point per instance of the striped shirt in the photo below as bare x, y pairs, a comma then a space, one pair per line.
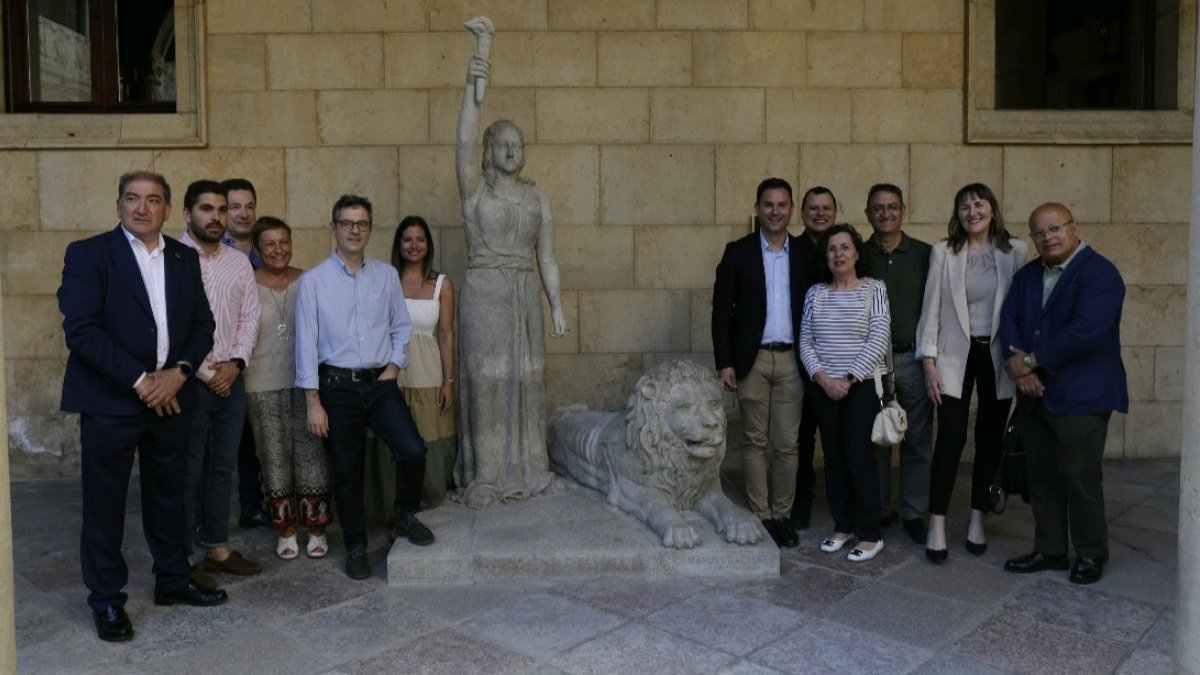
838, 336
233, 296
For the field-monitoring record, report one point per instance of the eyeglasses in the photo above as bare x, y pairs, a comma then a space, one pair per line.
879, 209
1052, 230
351, 225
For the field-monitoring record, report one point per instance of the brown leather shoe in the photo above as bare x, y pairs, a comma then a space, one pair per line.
234, 564
203, 580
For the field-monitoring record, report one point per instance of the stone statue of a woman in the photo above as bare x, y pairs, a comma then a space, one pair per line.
501, 349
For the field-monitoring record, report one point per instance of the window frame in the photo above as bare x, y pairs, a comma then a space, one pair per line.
985, 124
127, 127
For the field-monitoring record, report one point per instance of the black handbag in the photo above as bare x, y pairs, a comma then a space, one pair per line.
1011, 477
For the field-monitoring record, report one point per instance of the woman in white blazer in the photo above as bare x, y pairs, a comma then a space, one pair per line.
969, 274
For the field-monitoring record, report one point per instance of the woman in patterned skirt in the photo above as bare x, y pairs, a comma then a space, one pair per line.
294, 466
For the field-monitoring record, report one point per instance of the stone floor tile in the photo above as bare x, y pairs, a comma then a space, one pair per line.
362, 626
1157, 515
638, 648
542, 624
747, 668
726, 621
1023, 644
445, 651
633, 598
297, 591
962, 577
827, 647
457, 602
1161, 636
163, 632
801, 587
890, 610
1155, 547
951, 664
1142, 662
262, 650
1083, 609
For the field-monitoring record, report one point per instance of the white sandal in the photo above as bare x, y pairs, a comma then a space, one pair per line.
287, 548
318, 547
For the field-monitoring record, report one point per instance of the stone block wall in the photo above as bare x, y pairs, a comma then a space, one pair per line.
649, 124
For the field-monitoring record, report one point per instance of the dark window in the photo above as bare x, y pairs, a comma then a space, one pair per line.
1087, 54
90, 55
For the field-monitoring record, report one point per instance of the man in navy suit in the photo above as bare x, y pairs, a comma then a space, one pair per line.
1061, 325
758, 300
136, 322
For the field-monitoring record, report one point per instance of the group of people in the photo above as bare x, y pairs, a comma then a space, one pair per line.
811, 330
190, 338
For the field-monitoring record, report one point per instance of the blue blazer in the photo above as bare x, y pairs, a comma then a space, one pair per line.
739, 308
1076, 336
110, 327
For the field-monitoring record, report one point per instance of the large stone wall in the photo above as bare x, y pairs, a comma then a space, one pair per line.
649, 124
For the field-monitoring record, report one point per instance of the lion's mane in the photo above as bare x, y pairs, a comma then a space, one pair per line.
665, 461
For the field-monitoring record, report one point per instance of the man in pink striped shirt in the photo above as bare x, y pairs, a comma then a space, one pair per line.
221, 409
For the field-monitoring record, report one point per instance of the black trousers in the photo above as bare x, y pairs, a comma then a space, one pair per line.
1063, 454
991, 414
851, 482
351, 408
109, 443
806, 476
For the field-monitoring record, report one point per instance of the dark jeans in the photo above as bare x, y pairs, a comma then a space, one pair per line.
249, 475
109, 443
352, 407
1066, 482
990, 417
806, 476
212, 453
851, 483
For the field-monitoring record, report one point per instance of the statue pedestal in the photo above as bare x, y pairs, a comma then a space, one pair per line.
572, 533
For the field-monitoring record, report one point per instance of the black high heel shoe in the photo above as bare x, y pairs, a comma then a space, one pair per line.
937, 556
976, 549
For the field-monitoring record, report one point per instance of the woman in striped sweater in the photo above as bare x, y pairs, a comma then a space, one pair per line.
844, 338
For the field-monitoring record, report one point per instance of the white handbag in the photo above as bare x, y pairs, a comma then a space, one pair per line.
891, 422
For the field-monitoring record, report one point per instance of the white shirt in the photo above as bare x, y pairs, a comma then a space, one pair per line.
150, 264
777, 269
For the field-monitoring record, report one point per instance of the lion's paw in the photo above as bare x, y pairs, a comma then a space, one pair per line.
681, 536
744, 532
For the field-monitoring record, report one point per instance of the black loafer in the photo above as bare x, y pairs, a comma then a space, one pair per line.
1036, 562
112, 624
408, 527
191, 594
1086, 571
358, 565
915, 529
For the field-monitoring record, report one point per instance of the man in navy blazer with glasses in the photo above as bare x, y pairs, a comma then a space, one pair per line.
1061, 326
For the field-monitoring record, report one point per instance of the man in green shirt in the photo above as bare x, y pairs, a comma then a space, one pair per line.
902, 263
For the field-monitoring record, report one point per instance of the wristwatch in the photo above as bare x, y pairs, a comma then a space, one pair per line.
1028, 361
240, 363
184, 367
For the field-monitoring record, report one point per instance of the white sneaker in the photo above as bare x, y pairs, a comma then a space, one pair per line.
861, 555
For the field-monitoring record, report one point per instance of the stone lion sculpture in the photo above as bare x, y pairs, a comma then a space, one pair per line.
659, 459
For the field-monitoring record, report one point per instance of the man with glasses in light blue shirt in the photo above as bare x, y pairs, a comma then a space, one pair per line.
352, 329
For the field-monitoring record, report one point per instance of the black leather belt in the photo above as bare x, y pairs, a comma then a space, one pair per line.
777, 346
359, 375
906, 347
985, 340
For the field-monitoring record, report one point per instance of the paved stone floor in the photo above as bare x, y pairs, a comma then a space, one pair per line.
895, 614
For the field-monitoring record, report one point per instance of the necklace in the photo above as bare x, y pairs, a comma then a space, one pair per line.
281, 329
